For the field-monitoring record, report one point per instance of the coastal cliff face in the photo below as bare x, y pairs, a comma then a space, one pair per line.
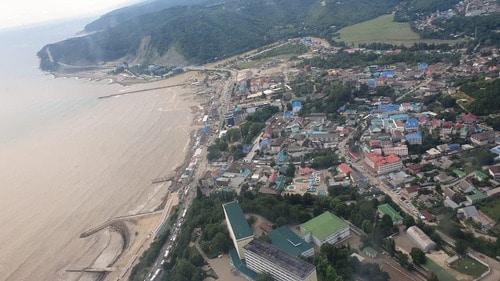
196, 33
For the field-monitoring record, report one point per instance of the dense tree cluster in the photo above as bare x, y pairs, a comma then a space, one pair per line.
205, 33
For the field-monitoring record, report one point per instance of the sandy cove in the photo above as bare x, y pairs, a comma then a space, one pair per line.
88, 169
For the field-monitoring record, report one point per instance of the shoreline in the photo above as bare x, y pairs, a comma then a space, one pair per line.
195, 106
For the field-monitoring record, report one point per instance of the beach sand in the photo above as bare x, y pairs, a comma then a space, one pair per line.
81, 171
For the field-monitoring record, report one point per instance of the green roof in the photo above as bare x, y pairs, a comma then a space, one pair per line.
387, 209
476, 196
240, 265
323, 225
286, 240
459, 173
370, 251
481, 175
237, 220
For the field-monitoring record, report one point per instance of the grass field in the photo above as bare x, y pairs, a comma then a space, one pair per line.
491, 208
442, 274
469, 266
384, 30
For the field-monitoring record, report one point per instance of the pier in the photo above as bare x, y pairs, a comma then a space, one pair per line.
140, 91
115, 220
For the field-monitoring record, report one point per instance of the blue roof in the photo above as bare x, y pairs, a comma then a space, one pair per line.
496, 149
454, 146
416, 135
402, 116
389, 107
296, 103
422, 66
286, 240
387, 72
411, 122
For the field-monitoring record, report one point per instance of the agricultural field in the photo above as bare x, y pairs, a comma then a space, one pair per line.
384, 30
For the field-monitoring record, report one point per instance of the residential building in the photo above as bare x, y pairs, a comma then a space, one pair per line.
325, 228
383, 164
414, 138
239, 230
483, 138
495, 171
264, 257
400, 149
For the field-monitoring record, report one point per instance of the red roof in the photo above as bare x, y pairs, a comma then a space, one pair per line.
344, 168
427, 215
382, 160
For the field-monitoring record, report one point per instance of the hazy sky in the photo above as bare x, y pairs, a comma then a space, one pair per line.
24, 12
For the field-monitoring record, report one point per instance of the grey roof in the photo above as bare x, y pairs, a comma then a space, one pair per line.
280, 258
237, 220
469, 211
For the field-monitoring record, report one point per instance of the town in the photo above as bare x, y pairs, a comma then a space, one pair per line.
332, 162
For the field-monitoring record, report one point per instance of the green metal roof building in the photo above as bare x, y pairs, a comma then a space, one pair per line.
325, 228
238, 227
386, 209
286, 240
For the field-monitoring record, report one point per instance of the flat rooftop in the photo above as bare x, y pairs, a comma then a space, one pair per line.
280, 258
237, 220
324, 225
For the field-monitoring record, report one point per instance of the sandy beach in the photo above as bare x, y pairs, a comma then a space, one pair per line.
84, 169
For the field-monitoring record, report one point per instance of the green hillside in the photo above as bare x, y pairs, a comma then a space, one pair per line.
204, 33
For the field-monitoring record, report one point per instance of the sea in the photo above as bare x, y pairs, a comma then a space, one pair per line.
70, 161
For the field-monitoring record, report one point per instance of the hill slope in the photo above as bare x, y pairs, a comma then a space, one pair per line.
204, 33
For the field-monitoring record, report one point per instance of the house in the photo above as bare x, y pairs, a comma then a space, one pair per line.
495, 171
411, 191
414, 138
325, 228
468, 118
427, 215
483, 138
386, 209
370, 252
344, 169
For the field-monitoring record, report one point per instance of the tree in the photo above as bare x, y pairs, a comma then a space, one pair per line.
433, 277
408, 221
264, 276
461, 246
418, 256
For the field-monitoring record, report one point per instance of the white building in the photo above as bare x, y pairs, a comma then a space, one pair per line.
264, 257
421, 239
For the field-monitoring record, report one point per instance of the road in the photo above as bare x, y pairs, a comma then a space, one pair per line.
188, 188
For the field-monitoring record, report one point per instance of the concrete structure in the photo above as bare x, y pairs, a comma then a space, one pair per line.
383, 164
386, 209
238, 227
421, 239
325, 228
286, 240
414, 138
264, 257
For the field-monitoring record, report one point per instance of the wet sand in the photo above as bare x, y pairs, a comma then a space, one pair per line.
83, 169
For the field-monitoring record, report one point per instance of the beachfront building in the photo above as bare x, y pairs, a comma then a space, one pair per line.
286, 240
383, 164
238, 227
325, 228
264, 257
